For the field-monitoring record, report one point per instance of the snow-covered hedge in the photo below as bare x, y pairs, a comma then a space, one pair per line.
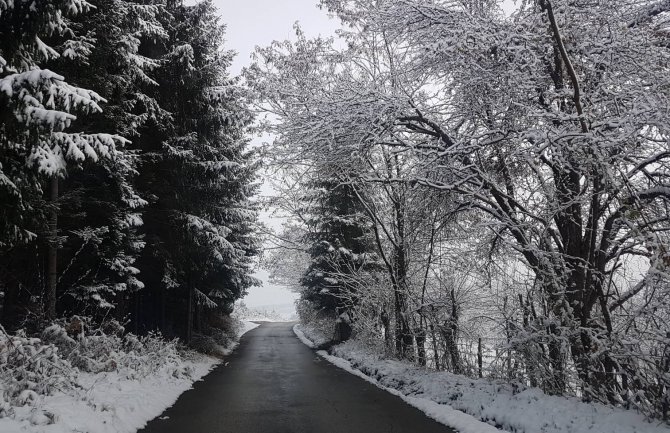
319, 328
217, 336
512, 407
32, 368
508, 406
81, 379
311, 336
109, 348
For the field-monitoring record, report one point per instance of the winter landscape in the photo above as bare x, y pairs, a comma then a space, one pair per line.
327, 216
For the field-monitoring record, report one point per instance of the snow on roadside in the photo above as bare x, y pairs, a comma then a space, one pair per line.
109, 403
463, 403
301, 336
311, 337
261, 314
113, 402
442, 413
246, 326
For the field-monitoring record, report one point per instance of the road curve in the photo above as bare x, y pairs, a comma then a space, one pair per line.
273, 383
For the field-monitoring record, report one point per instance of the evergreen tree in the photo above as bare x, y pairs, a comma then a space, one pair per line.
342, 252
199, 177
36, 150
101, 211
75, 204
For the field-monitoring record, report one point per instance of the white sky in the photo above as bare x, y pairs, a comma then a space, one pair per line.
252, 23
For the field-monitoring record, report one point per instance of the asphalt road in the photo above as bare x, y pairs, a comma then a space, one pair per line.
273, 383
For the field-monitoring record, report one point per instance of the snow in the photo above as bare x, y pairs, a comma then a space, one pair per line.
310, 336
265, 313
134, 220
301, 337
112, 402
109, 402
246, 327
477, 405
442, 413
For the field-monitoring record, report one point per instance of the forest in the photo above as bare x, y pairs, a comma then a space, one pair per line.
126, 181
464, 186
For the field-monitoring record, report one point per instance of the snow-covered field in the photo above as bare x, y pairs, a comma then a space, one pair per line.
112, 402
475, 406
266, 313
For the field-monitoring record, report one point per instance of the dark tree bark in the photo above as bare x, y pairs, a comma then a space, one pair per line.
52, 253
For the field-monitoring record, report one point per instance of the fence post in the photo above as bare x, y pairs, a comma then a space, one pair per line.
479, 356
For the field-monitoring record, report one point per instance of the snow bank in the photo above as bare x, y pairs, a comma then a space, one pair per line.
114, 401
463, 422
463, 403
243, 329
310, 336
301, 336
107, 402
246, 327
268, 313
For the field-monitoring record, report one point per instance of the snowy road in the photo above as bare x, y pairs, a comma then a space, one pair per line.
275, 384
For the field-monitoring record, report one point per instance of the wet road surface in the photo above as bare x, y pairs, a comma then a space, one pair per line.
273, 383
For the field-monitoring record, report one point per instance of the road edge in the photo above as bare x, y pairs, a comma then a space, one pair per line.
442, 413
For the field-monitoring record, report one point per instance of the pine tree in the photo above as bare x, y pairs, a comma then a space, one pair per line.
199, 225
101, 209
342, 252
37, 108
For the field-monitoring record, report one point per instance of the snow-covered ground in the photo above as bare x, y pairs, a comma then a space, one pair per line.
310, 336
265, 313
112, 402
475, 406
270, 301
108, 402
246, 327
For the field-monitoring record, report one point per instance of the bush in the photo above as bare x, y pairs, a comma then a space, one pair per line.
323, 323
28, 368
217, 335
31, 366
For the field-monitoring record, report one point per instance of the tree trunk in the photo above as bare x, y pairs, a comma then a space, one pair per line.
52, 254
479, 357
558, 380
386, 323
451, 336
161, 315
404, 337
189, 314
8, 316
404, 340
421, 346
436, 352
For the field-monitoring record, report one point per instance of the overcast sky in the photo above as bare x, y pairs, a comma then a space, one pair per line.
258, 22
